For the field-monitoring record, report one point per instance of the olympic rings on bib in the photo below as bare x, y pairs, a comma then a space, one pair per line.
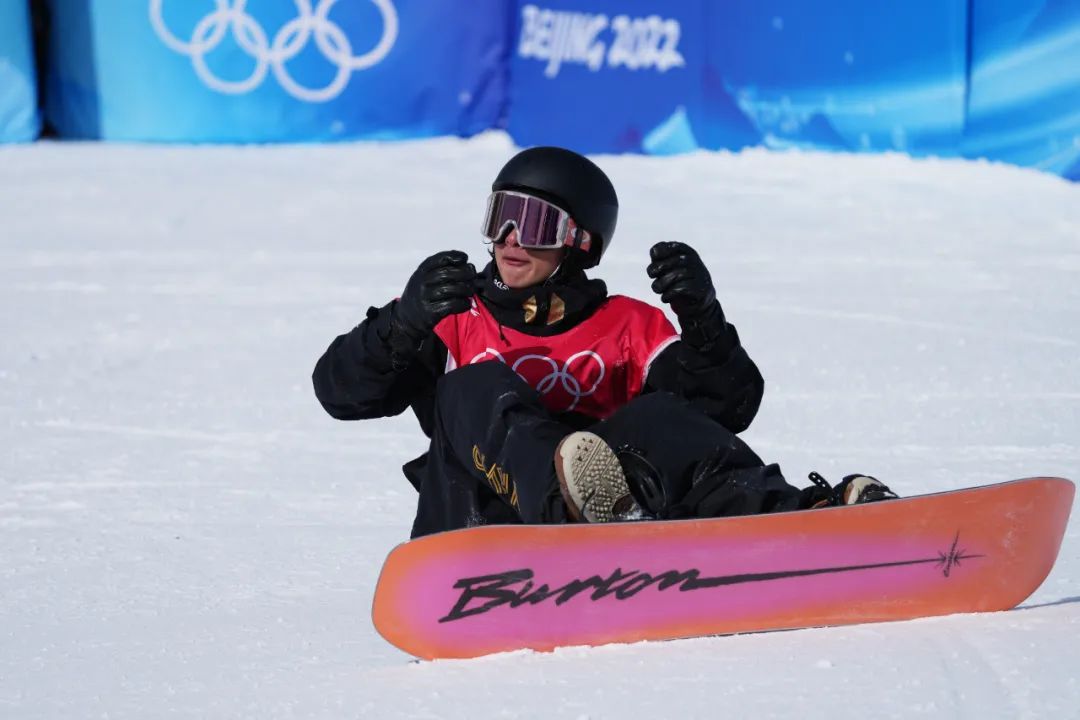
557, 375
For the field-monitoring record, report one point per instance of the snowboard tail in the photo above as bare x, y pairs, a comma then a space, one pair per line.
489, 589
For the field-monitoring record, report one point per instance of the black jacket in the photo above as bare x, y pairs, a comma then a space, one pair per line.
355, 379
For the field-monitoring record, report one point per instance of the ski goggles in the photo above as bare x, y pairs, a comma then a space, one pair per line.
539, 224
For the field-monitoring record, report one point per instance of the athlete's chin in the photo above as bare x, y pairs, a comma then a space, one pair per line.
517, 275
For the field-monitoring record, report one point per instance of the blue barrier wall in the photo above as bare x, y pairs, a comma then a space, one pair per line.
1024, 105
275, 70
996, 79
19, 120
976, 78
602, 78
861, 76
661, 77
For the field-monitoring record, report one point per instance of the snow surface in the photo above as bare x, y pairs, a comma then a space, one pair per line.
185, 533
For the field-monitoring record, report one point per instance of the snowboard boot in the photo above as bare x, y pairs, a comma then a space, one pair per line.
592, 480
852, 490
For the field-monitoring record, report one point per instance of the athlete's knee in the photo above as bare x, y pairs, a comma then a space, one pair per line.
469, 382
663, 403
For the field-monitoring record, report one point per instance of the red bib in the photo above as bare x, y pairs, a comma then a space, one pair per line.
593, 368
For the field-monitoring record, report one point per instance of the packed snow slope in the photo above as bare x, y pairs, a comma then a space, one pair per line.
185, 534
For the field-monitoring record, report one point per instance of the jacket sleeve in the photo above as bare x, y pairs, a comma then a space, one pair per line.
723, 382
355, 378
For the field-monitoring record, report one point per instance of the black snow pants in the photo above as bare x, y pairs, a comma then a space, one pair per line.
491, 458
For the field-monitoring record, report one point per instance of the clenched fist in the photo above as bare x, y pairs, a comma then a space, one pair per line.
441, 286
681, 279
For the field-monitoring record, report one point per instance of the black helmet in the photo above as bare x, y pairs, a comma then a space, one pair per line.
571, 181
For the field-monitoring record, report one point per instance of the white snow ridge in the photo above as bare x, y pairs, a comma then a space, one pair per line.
184, 533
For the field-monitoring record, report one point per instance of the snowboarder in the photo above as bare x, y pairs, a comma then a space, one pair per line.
546, 399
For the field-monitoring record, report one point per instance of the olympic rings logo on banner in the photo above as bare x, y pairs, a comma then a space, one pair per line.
290, 41
557, 375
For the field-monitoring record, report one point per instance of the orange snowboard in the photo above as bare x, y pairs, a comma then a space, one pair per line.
489, 589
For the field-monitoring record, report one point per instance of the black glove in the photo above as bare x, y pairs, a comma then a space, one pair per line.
441, 286
680, 278
683, 282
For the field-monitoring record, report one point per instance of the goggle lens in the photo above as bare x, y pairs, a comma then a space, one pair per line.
540, 225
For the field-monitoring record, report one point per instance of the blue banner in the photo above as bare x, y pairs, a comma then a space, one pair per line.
660, 77
19, 120
275, 70
1024, 98
602, 76
995, 79
855, 76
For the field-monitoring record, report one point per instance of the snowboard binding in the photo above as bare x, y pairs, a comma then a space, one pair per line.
853, 490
